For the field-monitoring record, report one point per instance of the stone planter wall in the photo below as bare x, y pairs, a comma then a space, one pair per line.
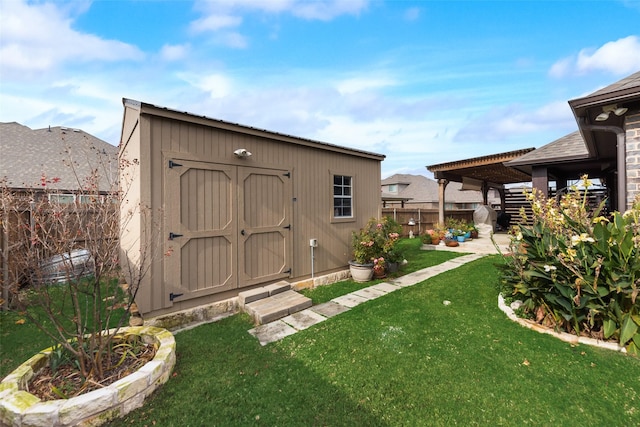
20, 408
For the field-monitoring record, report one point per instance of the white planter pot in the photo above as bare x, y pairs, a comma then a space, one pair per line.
361, 272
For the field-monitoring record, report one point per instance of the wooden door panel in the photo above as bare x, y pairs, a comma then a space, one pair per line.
200, 203
264, 220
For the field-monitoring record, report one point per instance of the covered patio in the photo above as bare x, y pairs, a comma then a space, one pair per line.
480, 173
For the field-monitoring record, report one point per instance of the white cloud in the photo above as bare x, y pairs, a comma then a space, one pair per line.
215, 85
618, 57
39, 37
215, 23
174, 52
502, 124
412, 14
222, 15
326, 10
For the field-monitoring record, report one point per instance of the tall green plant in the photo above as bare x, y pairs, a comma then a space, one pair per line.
576, 270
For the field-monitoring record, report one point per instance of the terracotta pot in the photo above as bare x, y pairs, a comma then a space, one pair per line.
379, 273
435, 241
451, 243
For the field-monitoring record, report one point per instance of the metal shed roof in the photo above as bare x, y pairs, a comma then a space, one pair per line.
146, 108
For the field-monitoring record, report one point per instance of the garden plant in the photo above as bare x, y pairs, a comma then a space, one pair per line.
577, 270
74, 300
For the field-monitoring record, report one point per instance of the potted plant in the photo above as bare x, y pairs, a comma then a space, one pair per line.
450, 240
376, 239
379, 266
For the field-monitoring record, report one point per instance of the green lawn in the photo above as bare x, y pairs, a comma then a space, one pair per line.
404, 359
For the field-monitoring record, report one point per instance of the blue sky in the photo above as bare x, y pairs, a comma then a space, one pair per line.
422, 82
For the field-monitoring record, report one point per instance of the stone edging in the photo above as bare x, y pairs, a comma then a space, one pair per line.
564, 336
18, 407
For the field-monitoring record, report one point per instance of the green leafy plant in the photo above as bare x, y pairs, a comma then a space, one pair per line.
576, 270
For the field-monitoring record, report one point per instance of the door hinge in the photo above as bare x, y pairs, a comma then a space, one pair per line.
288, 174
173, 296
287, 271
173, 164
174, 235
288, 227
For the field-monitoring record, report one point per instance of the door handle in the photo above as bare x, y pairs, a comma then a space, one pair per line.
242, 232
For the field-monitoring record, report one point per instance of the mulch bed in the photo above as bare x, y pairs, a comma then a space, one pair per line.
67, 381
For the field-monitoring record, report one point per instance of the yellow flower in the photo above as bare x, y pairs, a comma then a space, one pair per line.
583, 237
600, 219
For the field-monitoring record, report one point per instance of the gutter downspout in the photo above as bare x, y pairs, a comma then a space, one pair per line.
621, 157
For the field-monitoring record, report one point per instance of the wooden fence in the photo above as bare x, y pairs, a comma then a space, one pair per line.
424, 219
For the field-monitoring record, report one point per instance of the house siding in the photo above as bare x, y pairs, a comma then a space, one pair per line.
632, 128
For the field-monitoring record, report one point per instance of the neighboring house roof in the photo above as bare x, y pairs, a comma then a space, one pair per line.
421, 189
568, 148
620, 91
64, 155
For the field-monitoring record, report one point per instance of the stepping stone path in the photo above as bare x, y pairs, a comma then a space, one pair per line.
296, 314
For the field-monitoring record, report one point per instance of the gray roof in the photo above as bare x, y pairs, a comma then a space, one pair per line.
425, 190
568, 148
628, 82
60, 154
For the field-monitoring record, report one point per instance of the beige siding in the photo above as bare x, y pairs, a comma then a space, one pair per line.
307, 203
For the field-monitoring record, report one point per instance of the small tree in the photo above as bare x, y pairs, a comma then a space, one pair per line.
65, 251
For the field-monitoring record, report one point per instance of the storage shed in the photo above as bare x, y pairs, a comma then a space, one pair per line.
221, 207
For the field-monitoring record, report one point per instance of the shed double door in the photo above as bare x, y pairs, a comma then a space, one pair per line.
227, 227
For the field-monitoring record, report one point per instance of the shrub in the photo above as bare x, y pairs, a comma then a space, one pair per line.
85, 296
376, 239
578, 271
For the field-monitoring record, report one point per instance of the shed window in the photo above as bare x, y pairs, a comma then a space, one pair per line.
342, 197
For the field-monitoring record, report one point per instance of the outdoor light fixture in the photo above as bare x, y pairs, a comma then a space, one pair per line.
608, 109
242, 153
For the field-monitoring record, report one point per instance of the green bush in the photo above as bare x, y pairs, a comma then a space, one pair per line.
577, 271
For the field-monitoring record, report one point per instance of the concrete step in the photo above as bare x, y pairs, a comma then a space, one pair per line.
245, 297
276, 306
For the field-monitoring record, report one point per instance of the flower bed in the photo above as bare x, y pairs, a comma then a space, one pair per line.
20, 408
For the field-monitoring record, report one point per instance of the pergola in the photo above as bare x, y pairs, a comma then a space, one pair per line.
479, 173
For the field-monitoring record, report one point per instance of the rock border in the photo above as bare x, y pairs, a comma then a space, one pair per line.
564, 336
20, 408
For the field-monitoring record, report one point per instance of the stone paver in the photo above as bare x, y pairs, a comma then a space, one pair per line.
329, 309
303, 319
289, 325
385, 287
271, 332
369, 293
350, 300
